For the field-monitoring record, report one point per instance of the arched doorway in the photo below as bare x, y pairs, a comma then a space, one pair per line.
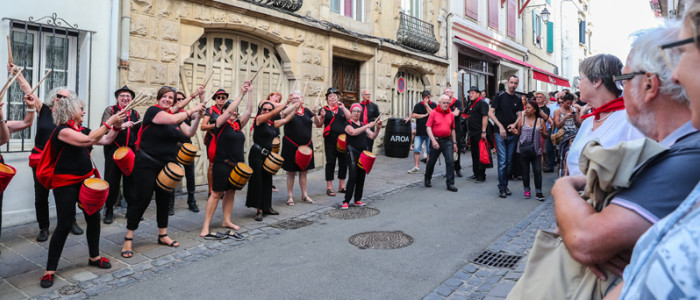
230, 56
402, 103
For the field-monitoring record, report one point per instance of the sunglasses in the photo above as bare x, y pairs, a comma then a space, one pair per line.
59, 96
179, 99
220, 97
266, 109
170, 88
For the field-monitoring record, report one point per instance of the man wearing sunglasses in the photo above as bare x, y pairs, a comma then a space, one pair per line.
658, 107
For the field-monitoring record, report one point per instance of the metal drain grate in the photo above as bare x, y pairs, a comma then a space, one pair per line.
292, 224
498, 260
353, 213
382, 240
69, 290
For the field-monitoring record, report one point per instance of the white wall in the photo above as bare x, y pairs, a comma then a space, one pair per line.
18, 204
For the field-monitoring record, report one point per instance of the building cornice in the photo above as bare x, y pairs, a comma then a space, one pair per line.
488, 37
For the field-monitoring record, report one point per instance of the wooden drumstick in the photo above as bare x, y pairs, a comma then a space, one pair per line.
306, 84
40, 81
208, 78
9, 50
256, 74
9, 83
138, 122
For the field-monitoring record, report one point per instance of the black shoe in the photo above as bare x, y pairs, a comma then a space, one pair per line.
508, 193
47, 281
109, 216
451, 188
548, 170
102, 263
271, 212
425, 160
75, 229
258, 216
43, 236
473, 177
171, 211
193, 206
458, 173
480, 179
427, 183
501, 192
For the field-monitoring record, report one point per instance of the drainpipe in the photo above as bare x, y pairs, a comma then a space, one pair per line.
113, 44
124, 34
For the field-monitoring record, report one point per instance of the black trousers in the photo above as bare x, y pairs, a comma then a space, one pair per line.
536, 162
446, 149
41, 203
189, 176
66, 197
356, 180
330, 144
260, 183
477, 167
113, 176
370, 144
145, 174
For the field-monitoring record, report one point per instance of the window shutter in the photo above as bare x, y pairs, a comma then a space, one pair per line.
472, 9
550, 37
511, 18
582, 32
534, 27
493, 14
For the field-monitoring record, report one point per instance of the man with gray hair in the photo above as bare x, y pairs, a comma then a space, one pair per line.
370, 112
659, 108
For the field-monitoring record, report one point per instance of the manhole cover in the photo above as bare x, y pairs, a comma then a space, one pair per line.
292, 224
69, 290
381, 240
498, 260
353, 213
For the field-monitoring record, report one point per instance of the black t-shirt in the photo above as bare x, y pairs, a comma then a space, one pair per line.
44, 127
357, 142
229, 143
159, 140
420, 109
506, 108
456, 105
476, 114
72, 160
545, 109
213, 112
131, 133
263, 134
277, 129
372, 112
338, 125
298, 129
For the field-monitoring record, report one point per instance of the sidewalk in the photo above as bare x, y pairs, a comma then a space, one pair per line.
23, 259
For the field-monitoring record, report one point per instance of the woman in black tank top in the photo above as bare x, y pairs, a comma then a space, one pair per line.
358, 134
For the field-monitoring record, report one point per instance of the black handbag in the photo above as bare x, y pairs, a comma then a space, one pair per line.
528, 149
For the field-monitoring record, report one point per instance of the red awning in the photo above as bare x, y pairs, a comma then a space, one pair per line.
538, 74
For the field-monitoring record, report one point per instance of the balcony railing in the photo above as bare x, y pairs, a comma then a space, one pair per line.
289, 5
417, 34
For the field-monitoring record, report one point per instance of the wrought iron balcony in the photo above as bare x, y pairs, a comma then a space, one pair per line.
289, 5
417, 34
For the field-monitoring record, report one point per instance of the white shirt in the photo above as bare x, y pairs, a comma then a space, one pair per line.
615, 129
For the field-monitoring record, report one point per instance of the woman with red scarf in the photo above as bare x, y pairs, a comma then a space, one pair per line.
333, 119
260, 184
608, 121
298, 133
127, 138
226, 148
358, 133
69, 145
209, 122
157, 144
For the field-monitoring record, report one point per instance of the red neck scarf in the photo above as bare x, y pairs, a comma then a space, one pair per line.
365, 107
364, 102
165, 110
300, 111
334, 110
234, 125
475, 102
615, 105
216, 109
72, 125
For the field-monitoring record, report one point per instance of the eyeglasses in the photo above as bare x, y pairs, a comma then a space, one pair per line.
220, 97
357, 111
59, 96
125, 96
678, 43
671, 53
620, 79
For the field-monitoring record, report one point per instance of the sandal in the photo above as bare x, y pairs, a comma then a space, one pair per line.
290, 201
128, 253
341, 190
217, 236
172, 244
308, 200
258, 216
330, 192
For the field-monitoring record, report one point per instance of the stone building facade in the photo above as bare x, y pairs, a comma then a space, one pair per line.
351, 45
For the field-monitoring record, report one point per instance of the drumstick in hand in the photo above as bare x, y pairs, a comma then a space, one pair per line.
9, 83
40, 81
9, 50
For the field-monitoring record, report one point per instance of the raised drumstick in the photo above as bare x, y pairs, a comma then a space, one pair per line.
208, 78
40, 81
256, 74
9, 50
9, 83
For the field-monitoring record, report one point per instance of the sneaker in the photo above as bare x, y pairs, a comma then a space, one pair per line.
414, 171
508, 193
47, 281
359, 203
345, 205
539, 196
102, 263
527, 195
501, 193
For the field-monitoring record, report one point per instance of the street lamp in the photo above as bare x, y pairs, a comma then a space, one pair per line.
545, 15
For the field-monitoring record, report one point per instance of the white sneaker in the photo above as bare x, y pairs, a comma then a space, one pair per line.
414, 171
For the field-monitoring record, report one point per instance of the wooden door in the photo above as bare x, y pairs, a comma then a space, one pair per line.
346, 78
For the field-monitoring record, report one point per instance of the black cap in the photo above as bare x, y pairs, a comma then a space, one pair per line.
425, 93
473, 88
124, 89
219, 92
331, 90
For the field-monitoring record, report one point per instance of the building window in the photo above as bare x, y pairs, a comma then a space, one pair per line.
511, 18
582, 32
413, 8
472, 9
493, 14
402, 103
349, 8
536, 29
38, 49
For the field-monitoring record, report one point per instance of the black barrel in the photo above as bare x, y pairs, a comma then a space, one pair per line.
397, 138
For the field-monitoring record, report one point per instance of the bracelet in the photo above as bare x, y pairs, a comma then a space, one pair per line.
483, 131
31, 110
117, 129
106, 125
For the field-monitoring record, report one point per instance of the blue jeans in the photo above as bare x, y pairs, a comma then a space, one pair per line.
418, 142
506, 149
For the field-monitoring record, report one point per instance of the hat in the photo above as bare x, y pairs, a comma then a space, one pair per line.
331, 90
219, 92
124, 89
473, 88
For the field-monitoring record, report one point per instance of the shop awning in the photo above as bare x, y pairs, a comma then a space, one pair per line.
538, 74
